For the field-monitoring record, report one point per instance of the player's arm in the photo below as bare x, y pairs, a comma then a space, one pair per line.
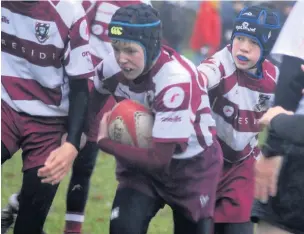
168, 137
212, 71
292, 149
79, 68
288, 94
293, 138
289, 127
279, 146
78, 97
286, 134
105, 79
290, 83
158, 156
90, 8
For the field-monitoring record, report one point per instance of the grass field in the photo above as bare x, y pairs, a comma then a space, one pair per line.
103, 187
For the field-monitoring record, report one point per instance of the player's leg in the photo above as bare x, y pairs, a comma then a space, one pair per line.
132, 211
285, 210
35, 201
234, 228
235, 198
40, 136
84, 164
183, 225
10, 138
8, 214
219, 228
10, 135
78, 189
192, 190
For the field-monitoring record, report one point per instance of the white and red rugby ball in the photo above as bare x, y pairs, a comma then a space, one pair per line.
131, 123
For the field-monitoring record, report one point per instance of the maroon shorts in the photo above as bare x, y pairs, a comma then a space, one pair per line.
96, 112
36, 136
235, 192
188, 185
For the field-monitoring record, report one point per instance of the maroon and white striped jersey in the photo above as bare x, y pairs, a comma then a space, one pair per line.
44, 44
99, 14
238, 101
175, 92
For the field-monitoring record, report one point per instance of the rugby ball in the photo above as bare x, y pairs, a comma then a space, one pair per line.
131, 123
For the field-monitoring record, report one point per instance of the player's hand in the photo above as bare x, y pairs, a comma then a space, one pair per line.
271, 113
83, 140
103, 126
58, 164
267, 172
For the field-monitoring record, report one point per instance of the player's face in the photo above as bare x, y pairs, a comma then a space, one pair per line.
245, 52
130, 58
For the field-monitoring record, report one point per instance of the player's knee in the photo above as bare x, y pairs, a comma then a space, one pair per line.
205, 226
35, 200
239, 228
85, 162
39, 194
124, 224
85, 171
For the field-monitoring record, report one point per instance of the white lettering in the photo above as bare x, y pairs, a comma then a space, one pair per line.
247, 13
245, 26
85, 53
171, 119
245, 120
32, 52
42, 55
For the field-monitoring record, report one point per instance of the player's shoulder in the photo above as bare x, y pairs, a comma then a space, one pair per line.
173, 67
69, 11
108, 67
221, 62
114, 5
69, 3
68, 7
270, 71
222, 56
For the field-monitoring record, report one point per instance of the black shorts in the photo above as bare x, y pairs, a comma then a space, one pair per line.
286, 209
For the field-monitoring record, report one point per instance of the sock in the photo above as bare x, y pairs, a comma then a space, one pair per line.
14, 202
73, 222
